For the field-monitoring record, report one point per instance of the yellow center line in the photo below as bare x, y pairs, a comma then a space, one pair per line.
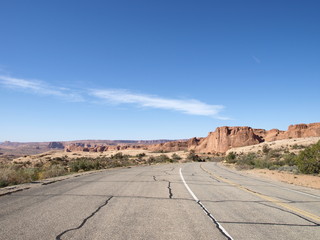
270, 199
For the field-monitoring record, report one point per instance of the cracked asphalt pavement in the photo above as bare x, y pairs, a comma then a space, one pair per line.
172, 201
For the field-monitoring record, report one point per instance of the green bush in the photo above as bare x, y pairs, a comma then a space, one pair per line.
289, 159
231, 157
296, 146
261, 163
194, 157
140, 156
11, 176
308, 160
53, 171
175, 157
151, 159
248, 159
118, 155
266, 149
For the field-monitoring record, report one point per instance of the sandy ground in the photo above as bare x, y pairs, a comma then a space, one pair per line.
296, 179
311, 181
286, 143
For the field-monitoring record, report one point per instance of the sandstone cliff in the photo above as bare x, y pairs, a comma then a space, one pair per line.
169, 146
294, 131
224, 138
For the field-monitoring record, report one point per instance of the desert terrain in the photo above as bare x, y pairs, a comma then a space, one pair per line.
240, 141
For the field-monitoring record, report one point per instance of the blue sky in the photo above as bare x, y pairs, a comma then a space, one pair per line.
155, 69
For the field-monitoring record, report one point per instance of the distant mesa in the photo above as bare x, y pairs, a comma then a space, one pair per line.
56, 145
8, 144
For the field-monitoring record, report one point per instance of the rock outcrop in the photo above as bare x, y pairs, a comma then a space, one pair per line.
294, 131
169, 146
224, 138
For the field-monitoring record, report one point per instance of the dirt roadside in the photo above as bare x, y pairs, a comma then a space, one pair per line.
295, 179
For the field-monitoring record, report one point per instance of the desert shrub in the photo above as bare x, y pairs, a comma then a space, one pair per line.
266, 149
194, 157
160, 151
11, 176
52, 171
5, 176
83, 164
140, 155
308, 160
231, 157
175, 157
261, 163
274, 153
159, 159
118, 155
289, 159
247, 159
296, 146
162, 158
39, 164
151, 159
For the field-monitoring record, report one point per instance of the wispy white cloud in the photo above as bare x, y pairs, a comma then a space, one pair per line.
257, 60
187, 106
115, 96
40, 88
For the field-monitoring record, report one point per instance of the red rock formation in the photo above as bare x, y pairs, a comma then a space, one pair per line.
225, 138
274, 134
169, 146
304, 130
193, 142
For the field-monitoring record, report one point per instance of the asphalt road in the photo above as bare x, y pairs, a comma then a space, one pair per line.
174, 201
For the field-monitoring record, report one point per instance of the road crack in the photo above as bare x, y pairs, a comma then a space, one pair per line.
58, 237
315, 224
170, 190
169, 185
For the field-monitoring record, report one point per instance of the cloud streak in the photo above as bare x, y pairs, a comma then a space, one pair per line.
40, 88
115, 96
188, 106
